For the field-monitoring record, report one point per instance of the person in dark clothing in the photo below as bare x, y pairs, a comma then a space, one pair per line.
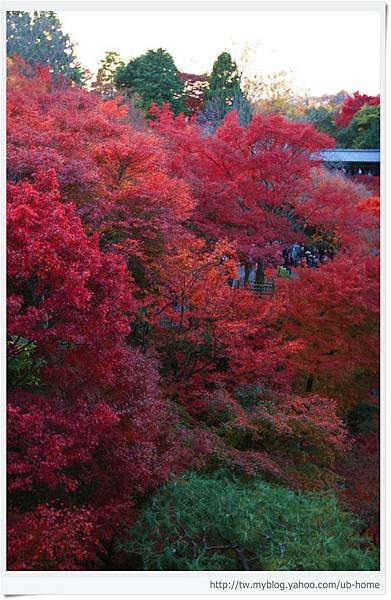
309, 259
287, 260
295, 252
315, 257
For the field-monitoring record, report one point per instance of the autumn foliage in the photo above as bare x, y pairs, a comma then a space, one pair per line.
131, 357
79, 443
247, 180
351, 105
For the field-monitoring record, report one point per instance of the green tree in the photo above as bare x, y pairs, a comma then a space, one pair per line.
224, 81
224, 93
217, 522
104, 85
38, 38
322, 118
153, 77
363, 130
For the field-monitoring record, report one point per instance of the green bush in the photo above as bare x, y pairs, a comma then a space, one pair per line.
217, 522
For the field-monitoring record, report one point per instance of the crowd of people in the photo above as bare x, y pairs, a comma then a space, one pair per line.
298, 255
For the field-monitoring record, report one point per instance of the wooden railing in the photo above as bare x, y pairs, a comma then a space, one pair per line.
264, 288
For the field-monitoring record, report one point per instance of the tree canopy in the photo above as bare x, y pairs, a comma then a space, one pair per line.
211, 522
224, 93
151, 388
104, 84
38, 38
154, 77
363, 130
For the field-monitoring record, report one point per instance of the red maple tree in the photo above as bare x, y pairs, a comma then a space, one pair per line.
247, 180
86, 428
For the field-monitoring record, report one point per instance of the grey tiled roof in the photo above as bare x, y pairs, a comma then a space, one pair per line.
349, 155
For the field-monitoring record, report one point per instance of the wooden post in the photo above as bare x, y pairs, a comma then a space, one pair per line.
260, 272
247, 270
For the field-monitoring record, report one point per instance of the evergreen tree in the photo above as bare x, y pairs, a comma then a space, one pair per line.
221, 522
224, 80
153, 77
224, 94
38, 38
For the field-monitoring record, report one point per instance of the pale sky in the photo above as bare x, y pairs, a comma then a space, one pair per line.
324, 52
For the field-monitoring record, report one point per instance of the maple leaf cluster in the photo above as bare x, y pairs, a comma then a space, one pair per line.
352, 105
131, 357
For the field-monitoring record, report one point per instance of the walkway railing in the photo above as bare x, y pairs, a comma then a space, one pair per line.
264, 288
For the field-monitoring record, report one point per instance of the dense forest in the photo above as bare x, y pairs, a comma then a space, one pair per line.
193, 318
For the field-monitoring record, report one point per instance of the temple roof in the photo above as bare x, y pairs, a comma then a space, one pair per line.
349, 155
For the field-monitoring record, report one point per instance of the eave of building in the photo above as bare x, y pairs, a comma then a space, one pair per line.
348, 155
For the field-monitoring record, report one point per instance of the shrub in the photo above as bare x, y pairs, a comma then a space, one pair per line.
217, 522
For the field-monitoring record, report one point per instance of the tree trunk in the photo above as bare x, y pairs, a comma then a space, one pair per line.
260, 272
247, 270
310, 383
